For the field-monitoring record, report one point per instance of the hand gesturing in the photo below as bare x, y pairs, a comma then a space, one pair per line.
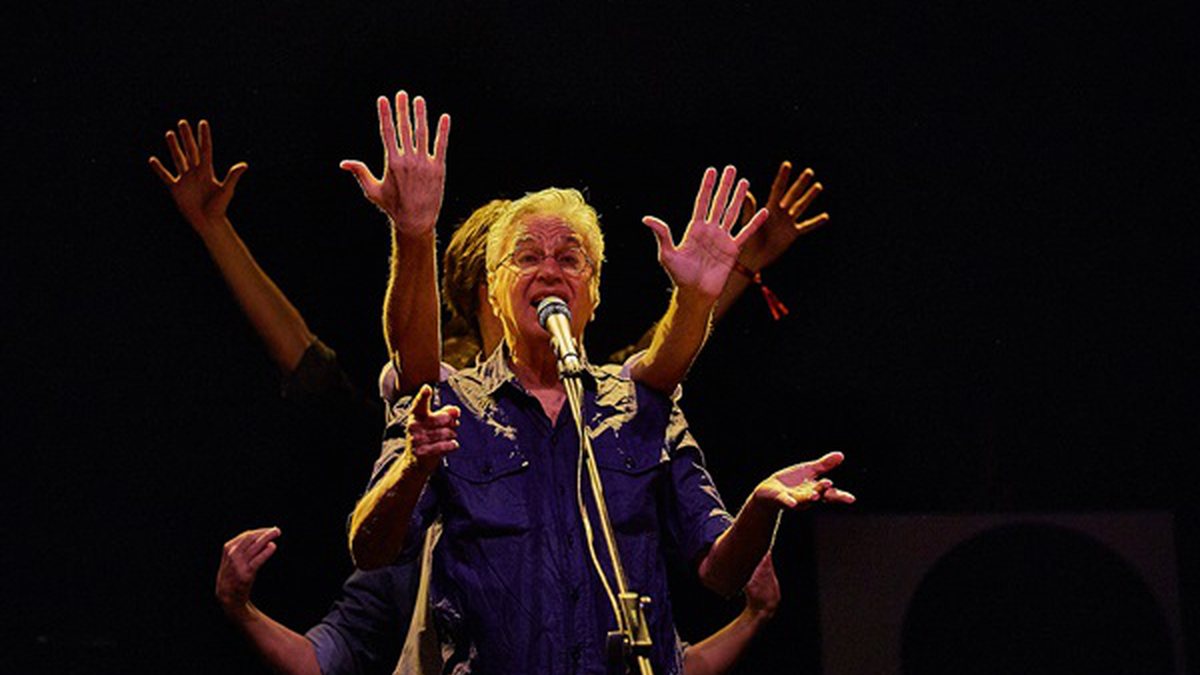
785, 208
241, 558
410, 191
802, 484
706, 254
431, 433
200, 197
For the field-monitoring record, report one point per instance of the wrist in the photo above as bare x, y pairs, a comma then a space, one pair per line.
762, 503
759, 615
693, 300
747, 268
238, 610
412, 232
421, 467
210, 227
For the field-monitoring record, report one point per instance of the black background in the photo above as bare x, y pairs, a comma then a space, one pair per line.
1001, 314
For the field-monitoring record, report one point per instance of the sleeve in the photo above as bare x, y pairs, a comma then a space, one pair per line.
394, 437
389, 388
318, 383
394, 440
696, 515
363, 632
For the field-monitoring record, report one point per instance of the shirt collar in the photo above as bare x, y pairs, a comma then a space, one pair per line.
495, 371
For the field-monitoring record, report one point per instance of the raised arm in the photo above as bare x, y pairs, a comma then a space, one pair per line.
786, 206
717, 653
728, 564
281, 648
379, 525
698, 267
203, 200
410, 194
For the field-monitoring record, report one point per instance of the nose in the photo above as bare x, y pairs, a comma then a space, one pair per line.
549, 268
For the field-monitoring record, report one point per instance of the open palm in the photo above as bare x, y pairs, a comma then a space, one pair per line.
200, 197
705, 256
414, 179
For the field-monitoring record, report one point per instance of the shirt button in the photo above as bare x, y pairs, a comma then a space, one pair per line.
629, 462
487, 469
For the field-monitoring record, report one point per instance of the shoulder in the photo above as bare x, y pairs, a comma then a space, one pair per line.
389, 381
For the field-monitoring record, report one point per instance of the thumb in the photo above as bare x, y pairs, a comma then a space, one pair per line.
662, 234
361, 174
420, 404
233, 176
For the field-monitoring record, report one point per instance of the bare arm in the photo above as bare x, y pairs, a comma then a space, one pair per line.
410, 194
203, 201
380, 521
718, 653
729, 563
281, 648
699, 267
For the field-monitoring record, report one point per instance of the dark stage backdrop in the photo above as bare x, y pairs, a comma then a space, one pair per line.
1001, 315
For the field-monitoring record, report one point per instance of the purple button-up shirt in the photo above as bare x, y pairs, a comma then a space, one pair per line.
514, 587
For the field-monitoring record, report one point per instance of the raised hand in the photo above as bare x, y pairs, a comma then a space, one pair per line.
410, 191
240, 561
785, 206
200, 197
705, 256
801, 485
431, 433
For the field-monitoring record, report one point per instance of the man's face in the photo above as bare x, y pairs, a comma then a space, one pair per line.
546, 258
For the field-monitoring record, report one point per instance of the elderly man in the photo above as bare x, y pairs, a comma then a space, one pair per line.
515, 581
363, 627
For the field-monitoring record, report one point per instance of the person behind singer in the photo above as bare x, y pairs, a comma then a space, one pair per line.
513, 582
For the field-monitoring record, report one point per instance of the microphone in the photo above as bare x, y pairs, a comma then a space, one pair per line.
555, 317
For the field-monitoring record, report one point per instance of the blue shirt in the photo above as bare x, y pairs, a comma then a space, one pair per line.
364, 630
514, 588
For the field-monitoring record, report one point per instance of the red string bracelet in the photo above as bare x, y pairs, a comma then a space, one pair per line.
778, 309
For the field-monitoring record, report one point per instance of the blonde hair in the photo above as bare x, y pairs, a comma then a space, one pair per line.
464, 265
568, 205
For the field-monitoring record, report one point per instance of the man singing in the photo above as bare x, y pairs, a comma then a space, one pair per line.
515, 586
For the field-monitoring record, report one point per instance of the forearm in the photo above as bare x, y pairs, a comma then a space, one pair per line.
380, 521
411, 316
276, 321
717, 653
731, 559
677, 340
281, 648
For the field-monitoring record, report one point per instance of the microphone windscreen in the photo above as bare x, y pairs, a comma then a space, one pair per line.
549, 306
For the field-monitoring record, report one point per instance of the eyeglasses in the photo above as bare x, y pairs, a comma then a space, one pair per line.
574, 262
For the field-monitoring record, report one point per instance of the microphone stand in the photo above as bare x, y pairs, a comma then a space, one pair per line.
632, 637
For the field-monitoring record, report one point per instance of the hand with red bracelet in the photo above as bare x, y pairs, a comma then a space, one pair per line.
786, 206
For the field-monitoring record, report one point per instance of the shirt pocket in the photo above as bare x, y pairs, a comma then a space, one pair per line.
632, 475
488, 491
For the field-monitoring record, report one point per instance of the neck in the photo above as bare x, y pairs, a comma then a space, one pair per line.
535, 365
537, 371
